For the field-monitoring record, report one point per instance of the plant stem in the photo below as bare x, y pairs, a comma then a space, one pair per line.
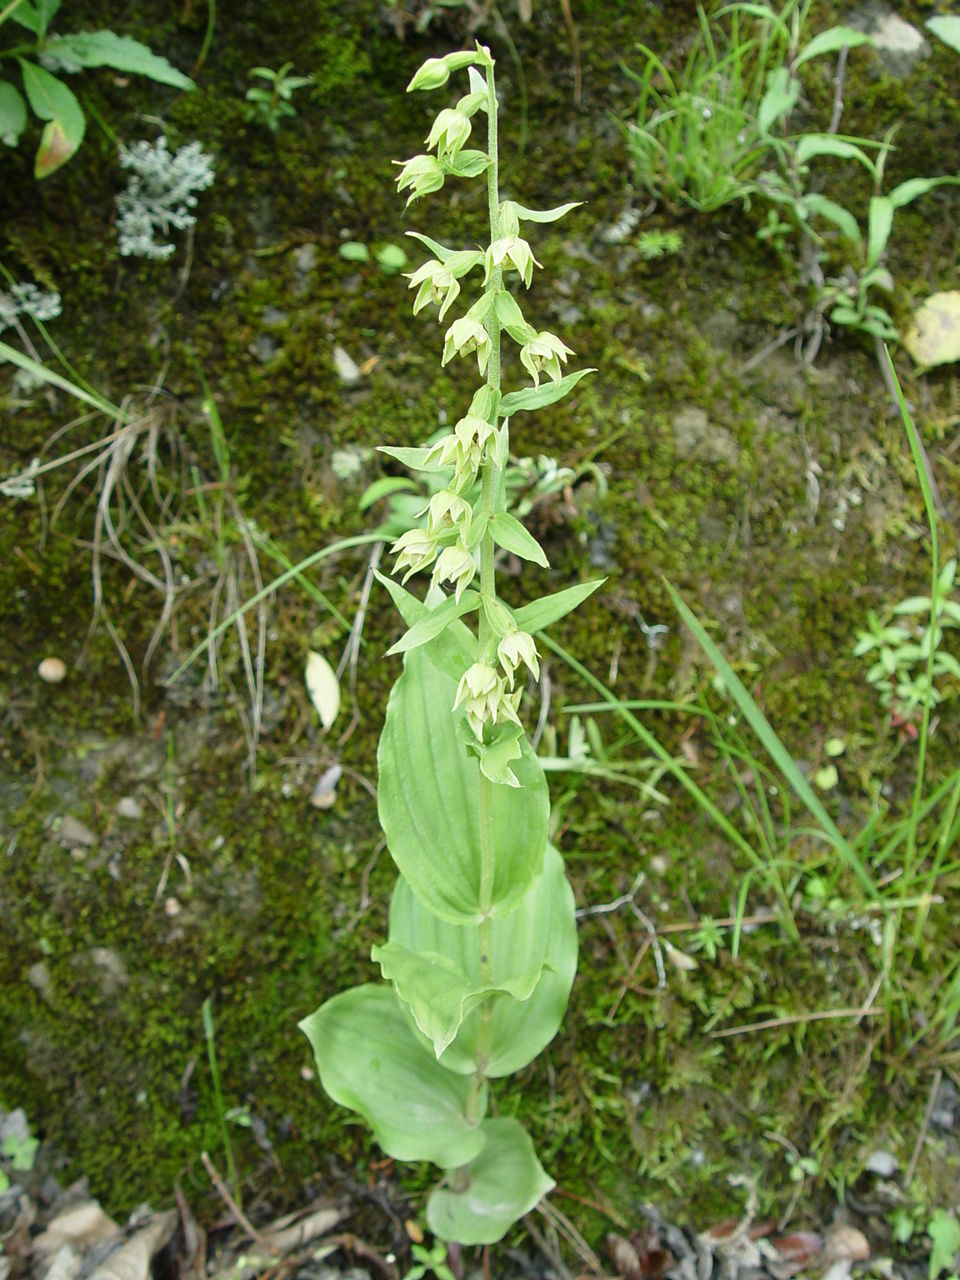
488, 589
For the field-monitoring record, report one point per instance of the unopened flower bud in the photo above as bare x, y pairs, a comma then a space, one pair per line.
434, 74
450, 131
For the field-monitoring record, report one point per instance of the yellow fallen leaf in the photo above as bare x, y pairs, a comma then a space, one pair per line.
323, 687
934, 335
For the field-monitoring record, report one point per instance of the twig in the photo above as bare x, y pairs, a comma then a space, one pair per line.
548, 1251
575, 50
606, 1211
239, 1216
924, 1126
838, 89
631, 972
629, 900
607, 908
768, 349
792, 1019
565, 1227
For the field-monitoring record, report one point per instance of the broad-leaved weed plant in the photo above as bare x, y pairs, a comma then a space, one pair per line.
39, 52
482, 941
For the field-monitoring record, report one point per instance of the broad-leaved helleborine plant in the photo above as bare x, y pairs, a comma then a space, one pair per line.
482, 944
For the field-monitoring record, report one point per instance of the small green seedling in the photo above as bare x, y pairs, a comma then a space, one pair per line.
390, 258
900, 652
270, 106
430, 1262
659, 244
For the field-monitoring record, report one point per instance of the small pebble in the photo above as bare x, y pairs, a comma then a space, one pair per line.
53, 670
883, 1164
171, 907
73, 833
129, 807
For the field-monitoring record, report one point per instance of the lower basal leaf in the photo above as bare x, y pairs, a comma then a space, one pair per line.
370, 1061
503, 1183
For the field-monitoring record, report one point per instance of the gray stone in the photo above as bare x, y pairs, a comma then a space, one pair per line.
111, 972
263, 348
697, 438
899, 45
305, 257
129, 807
38, 975
72, 832
883, 1164
14, 1127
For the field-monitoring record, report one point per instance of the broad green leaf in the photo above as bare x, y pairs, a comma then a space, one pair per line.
826, 144
428, 799
846, 315
946, 28
781, 96
13, 114
539, 614
415, 459
27, 16
831, 41
46, 11
453, 650
391, 258
383, 488
538, 397
435, 621
438, 994
51, 100
540, 933
350, 250
538, 215
371, 1062
507, 532
944, 1231
879, 224
504, 1182
934, 335
910, 190
835, 213
107, 49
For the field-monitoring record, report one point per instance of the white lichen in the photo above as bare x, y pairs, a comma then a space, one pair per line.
160, 194
27, 300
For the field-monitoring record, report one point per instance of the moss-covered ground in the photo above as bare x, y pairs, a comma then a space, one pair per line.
795, 513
